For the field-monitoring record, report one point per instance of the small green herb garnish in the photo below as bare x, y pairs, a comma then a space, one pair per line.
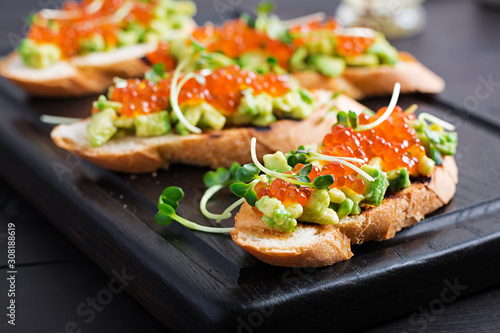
215, 181
167, 205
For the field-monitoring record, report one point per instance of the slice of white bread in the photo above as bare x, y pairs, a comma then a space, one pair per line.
361, 82
82, 75
210, 148
314, 245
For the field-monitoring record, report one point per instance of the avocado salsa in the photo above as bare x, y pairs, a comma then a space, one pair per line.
358, 163
265, 44
227, 96
100, 25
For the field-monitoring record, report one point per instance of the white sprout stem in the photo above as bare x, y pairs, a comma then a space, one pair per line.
424, 116
124, 10
174, 95
321, 157
56, 14
204, 200
56, 120
199, 227
94, 6
271, 173
387, 113
319, 16
229, 209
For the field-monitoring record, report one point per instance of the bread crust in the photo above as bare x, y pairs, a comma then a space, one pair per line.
396, 212
361, 82
211, 148
81, 77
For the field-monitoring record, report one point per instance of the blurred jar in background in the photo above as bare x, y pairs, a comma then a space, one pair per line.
395, 18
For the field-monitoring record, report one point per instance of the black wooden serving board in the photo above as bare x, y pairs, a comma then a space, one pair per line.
198, 282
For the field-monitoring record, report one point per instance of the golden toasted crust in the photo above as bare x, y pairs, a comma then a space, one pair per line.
378, 223
81, 76
79, 81
361, 82
211, 148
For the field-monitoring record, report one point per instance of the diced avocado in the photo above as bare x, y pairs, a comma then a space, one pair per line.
210, 117
276, 162
374, 190
322, 45
345, 208
215, 60
336, 195
365, 60
103, 103
298, 60
276, 215
384, 50
356, 199
398, 180
425, 166
255, 61
151, 37
192, 113
124, 122
257, 110
127, 37
153, 124
96, 43
317, 211
164, 28
178, 48
295, 208
328, 65
38, 55
101, 127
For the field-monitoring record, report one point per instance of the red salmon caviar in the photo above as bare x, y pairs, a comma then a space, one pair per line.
82, 23
222, 89
283, 191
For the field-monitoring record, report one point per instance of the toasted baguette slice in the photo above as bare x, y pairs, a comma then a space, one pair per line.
211, 148
83, 75
361, 82
314, 245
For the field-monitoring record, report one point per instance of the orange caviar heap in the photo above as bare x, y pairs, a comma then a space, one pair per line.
236, 38
80, 22
223, 89
394, 141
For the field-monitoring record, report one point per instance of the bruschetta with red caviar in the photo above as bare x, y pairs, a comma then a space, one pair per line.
369, 177
321, 54
79, 49
203, 118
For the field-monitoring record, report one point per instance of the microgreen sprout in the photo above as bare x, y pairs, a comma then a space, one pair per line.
176, 86
215, 181
56, 120
387, 113
299, 178
425, 117
167, 205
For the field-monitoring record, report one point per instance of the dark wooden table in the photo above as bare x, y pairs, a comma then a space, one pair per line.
461, 43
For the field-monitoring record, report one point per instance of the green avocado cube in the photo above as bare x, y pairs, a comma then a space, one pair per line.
398, 180
374, 190
154, 124
328, 65
38, 55
101, 127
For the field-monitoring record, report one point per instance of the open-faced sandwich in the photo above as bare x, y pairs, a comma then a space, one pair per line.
79, 49
321, 54
371, 176
204, 118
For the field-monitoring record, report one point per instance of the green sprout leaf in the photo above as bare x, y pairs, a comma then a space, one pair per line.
306, 97
248, 19
246, 191
432, 135
156, 73
303, 175
171, 196
353, 119
286, 37
247, 173
294, 157
343, 118
323, 182
221, 176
